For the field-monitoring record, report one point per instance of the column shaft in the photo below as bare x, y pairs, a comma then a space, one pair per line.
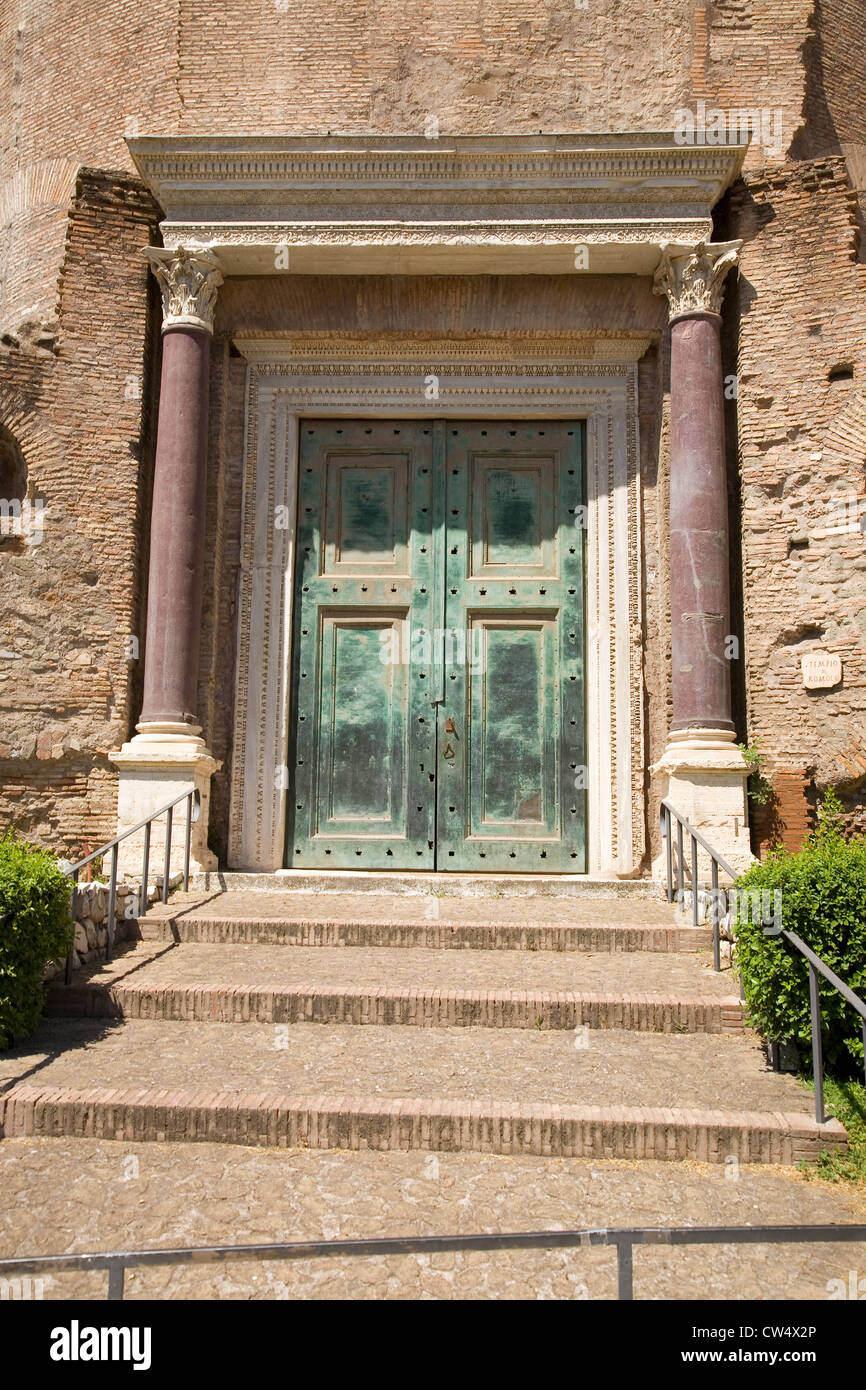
700, 581
177, 531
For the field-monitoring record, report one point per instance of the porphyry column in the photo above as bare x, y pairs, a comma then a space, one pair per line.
706, 772
167, 754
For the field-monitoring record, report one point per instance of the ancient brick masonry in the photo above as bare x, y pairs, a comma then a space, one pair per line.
78, 341
72, 603
802, 448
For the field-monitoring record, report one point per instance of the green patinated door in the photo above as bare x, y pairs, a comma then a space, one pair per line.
438, 689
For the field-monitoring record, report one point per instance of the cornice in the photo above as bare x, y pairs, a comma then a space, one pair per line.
479, 198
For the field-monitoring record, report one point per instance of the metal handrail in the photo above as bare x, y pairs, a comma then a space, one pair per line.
193, 811
668, 813
116, 1262
816, 965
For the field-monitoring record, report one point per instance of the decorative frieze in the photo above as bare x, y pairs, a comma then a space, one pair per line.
693, 277
188, 279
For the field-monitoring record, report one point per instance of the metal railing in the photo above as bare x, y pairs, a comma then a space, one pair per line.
193, 810
117, 1262
817, 967
669, 814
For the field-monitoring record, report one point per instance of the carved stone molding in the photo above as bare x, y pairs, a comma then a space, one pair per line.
693, 277
188, 279
377, 204
524, 376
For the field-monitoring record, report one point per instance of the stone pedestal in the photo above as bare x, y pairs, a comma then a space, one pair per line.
167, 756
152, 773
705, 772
705, 779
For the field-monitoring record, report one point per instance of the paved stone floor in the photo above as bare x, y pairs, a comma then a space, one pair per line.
687, 1071
59, 1196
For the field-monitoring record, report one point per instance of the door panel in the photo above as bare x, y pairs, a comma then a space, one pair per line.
507, 796
363, 757
439, 647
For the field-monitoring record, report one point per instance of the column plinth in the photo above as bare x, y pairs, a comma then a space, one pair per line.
704, 771
167, 755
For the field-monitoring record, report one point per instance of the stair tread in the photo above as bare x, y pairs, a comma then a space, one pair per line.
683, 1071
402, 909
384, 968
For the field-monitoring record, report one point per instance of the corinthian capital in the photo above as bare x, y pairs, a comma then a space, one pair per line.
693, 277
189, 280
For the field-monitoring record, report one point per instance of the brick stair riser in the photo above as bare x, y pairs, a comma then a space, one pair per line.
358, 1123
430, 1009
432, 935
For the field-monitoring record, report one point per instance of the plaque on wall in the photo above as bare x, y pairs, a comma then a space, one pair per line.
821, 670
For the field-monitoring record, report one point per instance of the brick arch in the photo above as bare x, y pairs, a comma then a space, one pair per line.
13, 467
34, 436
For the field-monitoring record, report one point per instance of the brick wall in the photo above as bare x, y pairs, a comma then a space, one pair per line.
802, 446
78, 75
72, 602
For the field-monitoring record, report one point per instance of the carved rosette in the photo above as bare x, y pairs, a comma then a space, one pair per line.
693, 277
189, 280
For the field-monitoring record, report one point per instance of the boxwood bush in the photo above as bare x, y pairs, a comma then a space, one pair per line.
823, 889
35, 928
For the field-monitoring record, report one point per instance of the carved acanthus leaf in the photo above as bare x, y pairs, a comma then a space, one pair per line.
693, 277
189, 279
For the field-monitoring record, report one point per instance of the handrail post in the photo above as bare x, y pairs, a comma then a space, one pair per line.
681, 873
666, 832
624, 1269
187, 841
112, 899
817, 1048
166, 859
145, 868
115, 1281
73, 903
694, 882
714, 884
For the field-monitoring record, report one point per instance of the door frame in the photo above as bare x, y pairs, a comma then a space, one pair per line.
521, 376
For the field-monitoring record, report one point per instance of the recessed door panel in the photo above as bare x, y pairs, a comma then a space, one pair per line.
512, 768
363, 717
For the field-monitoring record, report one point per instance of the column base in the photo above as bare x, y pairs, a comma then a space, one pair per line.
705, 777
158, 764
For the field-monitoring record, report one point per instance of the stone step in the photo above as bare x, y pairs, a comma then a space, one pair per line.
420, 1008
614, 1094
425, 987
580, 887
308, 919
360, 1122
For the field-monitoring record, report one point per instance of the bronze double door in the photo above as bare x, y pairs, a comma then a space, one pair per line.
438, 647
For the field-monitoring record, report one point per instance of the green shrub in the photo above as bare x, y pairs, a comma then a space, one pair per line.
35, 928
823, 889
